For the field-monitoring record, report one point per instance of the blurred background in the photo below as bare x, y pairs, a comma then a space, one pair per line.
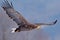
35, 11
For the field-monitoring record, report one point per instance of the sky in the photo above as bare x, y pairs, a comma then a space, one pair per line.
36, 11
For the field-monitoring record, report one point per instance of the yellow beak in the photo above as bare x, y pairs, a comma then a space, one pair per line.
38, 27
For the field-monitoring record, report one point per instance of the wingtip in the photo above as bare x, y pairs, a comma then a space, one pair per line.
6, 4
55, 22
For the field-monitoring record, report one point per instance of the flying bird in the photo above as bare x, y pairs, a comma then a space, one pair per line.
23, 24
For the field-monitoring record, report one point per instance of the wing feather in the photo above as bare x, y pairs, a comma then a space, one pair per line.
12, 13
52, 23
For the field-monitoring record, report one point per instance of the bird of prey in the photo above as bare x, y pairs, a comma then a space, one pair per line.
23, 24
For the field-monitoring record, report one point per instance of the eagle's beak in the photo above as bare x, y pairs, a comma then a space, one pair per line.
38, 27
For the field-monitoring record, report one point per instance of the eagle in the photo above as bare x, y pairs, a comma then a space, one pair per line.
23, 24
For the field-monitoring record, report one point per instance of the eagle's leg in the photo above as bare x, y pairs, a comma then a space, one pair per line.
17, 30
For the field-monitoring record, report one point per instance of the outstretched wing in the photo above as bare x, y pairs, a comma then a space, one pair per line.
12, 13
52, 23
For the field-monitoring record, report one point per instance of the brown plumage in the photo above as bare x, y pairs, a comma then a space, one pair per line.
23, 24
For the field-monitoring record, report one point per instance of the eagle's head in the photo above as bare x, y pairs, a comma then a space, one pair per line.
38, 27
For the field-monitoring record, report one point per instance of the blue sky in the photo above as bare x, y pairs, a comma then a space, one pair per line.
37, 11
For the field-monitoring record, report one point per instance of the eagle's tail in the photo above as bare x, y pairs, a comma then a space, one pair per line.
6, 5
15, 30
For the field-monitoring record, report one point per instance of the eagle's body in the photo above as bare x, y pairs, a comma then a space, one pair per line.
23, 24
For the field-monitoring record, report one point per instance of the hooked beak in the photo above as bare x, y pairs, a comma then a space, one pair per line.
38, 27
